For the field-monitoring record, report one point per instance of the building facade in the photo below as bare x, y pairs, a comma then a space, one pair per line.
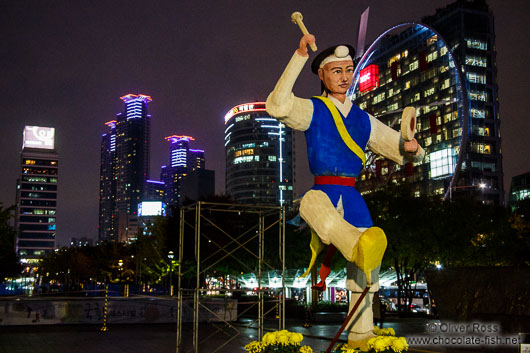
446, 68
183, 160
124, 167
36, 196
259, 157
519, 189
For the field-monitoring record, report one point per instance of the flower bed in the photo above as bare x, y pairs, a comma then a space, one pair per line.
290, 342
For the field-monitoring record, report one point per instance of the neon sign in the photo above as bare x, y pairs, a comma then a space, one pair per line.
369, 78
136, 97
247, 107
176, 138
39, 137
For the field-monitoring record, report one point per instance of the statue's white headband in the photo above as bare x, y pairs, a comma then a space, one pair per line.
341, 53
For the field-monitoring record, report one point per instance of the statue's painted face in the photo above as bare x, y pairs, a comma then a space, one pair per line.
337, 76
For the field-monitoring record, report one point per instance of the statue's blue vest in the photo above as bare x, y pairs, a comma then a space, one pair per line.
329, 155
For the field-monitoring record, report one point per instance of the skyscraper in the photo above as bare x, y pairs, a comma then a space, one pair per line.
259, 156
445, 67
107, 182
124, 165
183, 161
468, 27
36, 195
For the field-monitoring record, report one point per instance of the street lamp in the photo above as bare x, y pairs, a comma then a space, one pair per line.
170, 256
480, 186
120, 266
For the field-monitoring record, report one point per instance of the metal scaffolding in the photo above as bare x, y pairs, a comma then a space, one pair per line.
228, 232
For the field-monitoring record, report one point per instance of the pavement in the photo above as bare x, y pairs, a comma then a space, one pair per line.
161, 338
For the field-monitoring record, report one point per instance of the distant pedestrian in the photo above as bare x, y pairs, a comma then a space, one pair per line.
379, 310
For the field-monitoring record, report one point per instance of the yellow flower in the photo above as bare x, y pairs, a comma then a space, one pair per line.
379, 345
391, 331
398, 346
306, 349
254, 347
295, 338
283, 338
269, 338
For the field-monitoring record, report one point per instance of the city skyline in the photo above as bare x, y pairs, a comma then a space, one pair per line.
65, 66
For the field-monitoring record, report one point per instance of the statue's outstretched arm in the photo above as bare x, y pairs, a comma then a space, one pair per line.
388, 143
282, 103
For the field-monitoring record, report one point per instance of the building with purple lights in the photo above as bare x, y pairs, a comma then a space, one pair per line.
36, 197
183, 161
124, 167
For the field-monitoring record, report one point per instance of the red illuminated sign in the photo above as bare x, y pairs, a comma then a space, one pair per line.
369, 78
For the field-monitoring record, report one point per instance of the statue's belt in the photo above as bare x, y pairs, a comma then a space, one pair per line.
334, 180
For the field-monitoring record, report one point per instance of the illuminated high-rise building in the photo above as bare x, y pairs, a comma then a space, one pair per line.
36, 195
259, 156
107, 184
124, 165
446, 68
183, 161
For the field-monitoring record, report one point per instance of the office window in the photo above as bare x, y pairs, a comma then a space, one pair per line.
477, 44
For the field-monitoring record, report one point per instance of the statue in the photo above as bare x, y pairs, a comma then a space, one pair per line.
337, 133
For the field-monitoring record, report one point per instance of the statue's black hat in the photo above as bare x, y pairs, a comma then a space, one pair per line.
327, 52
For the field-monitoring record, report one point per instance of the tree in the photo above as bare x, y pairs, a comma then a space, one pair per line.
410, 225
9, 262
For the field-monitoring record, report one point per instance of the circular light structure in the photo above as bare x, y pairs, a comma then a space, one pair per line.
410, 64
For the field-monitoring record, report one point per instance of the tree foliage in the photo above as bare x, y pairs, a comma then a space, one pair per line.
140, 262
423, 231
9, 262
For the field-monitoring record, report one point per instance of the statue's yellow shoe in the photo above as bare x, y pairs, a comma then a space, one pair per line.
360, 344
360, 341
369, 251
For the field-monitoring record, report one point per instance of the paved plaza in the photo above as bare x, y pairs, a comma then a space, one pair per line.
161, 338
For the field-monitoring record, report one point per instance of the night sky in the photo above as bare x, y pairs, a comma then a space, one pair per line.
64, 64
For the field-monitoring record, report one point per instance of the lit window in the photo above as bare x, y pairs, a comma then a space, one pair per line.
380, 97
481, 148
476, 44
439, 191
443, 51
394, 59
432, 56
478, 96
476, 78
476, 61
413, 65
432, 39
245, 152
429, 92
428, 141
392, 106
442, 163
